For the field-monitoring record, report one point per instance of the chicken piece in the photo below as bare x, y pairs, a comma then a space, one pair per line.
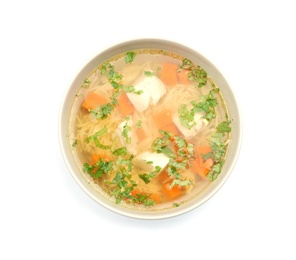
190, 133
153, 89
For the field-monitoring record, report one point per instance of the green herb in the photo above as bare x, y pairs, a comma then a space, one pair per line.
146, 177
178, 150
206, 105
224, 127
105, 68
129, 57
86, 83
139, 124
131, 89
176, 205
74, 144
145, 200
98, 169
186, 117
196, 73
122, 151
181, 183
95, 139
103, 111
218, 143
126, 129
149, 73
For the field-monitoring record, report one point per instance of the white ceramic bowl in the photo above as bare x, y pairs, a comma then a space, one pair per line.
213, 73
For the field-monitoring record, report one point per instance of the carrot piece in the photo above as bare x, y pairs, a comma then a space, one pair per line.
96, 157
162, 118
203, 149
125, 106
168, 74
93, 100
199, 165
135, 192
140, 134
163, 177
183, 76
171, 193
170, 128
155, 197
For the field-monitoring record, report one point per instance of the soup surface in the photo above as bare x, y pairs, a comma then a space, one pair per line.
151, 128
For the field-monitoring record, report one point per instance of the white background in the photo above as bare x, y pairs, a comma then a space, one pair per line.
43, 212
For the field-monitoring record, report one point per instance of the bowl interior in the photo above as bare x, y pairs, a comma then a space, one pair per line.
69, 106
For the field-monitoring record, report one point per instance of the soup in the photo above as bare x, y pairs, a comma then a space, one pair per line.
151, 128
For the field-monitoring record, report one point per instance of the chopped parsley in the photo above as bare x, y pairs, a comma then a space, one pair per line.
95, 139
86, 83
206, 105
196, 73
74, 144
126, 130
146, 177
179, 151
129, 57
98, 169
224, 127
218, 145
103, 111
139, 124
149, 73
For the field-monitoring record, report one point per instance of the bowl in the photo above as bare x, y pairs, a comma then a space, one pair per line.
70, 107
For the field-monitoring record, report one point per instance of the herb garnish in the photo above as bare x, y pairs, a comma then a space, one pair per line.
95, 139
126, 129
196, 73
206, 105
180, 153
146, 177
129, 57
139, 124
86, 83
102, 112
218, 146
149, 73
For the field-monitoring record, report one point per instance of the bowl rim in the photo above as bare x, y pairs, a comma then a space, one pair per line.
80, 180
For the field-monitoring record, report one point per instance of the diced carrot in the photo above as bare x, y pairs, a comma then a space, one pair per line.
135, 191
125, 106
156, 198
163, 177
162, 118
171, 193
170, 128
140, 134
168, 74
96, 157
199, 165
93, 100
203, 149
183, 76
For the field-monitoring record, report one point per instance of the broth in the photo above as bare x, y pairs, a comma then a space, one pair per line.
151, 128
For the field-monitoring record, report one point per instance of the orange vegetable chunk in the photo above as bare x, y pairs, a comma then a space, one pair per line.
93, 100
183, 76
170, 128
156, 198
199, 165
140, 134
162, 118
125, 106
168, 74
171, 193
